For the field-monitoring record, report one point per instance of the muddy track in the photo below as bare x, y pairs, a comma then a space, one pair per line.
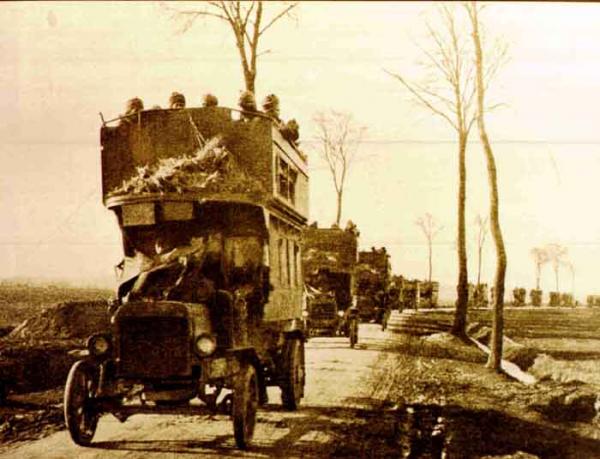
338, 417
386, 398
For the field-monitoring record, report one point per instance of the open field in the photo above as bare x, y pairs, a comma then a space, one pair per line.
566, 338
19, 301
548, 325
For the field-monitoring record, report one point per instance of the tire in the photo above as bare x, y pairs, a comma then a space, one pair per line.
293, 377
353, 332
245, 404
81, 417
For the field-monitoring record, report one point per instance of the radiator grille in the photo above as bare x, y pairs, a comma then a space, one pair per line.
323, 312
155, 347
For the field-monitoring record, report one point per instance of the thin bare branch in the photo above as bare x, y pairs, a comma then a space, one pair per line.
436, 95
248, 13
419, 97
262, 53
282, 13
435, 63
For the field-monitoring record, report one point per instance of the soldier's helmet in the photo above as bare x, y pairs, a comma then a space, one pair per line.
271, 105
177, 100
291, 131
134, 105
247, 102
209, 100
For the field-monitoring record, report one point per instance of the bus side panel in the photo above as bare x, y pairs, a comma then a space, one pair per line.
285, 299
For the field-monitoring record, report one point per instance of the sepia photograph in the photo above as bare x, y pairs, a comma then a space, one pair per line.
312, 229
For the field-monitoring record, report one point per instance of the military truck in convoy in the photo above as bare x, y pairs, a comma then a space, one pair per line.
329, 260
372, 283
208, 313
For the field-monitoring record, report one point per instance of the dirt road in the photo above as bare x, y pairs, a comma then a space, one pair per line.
335, 419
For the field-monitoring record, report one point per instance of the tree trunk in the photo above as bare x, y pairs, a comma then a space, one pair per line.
460, 316
538, 274
495, 358
430, 263
479, 265
249, 79
339, 207
556, 277
573, 284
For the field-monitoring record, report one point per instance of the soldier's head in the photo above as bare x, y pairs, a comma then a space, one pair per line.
247, 101
134, 105
270, 105
177, 100
209, 100
291, 130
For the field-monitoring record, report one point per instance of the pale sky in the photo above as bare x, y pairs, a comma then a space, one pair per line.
64, 63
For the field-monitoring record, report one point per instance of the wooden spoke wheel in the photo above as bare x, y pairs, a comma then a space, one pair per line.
293, 377
245, 404
81, 416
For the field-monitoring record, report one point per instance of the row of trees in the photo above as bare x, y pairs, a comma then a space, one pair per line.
431, 228
462, 70
554, 254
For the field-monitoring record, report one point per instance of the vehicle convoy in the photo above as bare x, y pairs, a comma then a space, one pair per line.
329, 260
372, 283
209, 311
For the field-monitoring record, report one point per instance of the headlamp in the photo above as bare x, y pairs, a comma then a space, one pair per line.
206, 345
98, 345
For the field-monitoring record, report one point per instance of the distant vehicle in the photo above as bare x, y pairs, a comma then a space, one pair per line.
372, 284
212, 211
395, 292
329, 260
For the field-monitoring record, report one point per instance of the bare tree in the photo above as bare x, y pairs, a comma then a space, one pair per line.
450, 95
540, 258
248, 22
482, 231
483, 74
430, 230
557, 256
571, 267
339, 136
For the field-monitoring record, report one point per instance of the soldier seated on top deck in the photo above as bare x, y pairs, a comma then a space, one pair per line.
271, 108
247, 103
291, 131
133, 106
177, 100
209, 100
352, 228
